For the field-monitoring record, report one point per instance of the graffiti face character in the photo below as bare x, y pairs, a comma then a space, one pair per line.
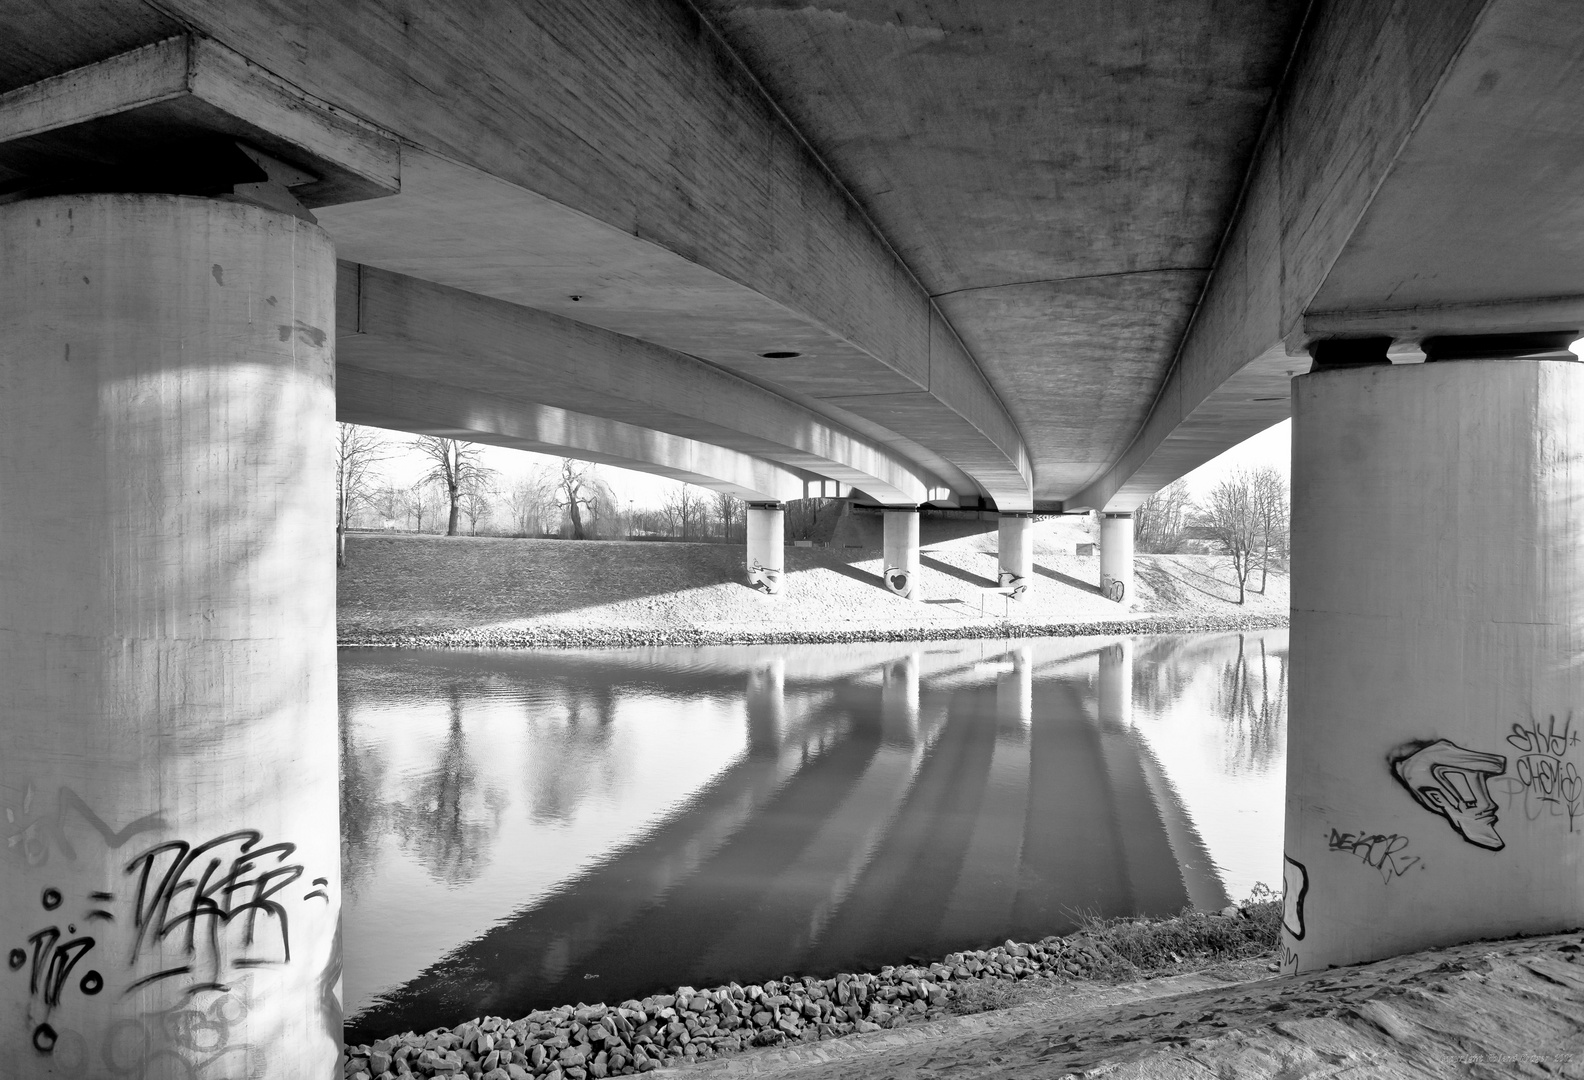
1448, 780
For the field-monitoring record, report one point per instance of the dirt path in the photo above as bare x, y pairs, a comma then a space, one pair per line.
1499, 1009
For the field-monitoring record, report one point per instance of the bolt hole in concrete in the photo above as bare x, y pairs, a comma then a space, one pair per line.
530, 829
780, 355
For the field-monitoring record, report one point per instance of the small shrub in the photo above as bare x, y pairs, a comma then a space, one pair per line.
985, 995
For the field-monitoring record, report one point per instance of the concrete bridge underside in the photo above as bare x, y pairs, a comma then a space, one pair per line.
1029, 256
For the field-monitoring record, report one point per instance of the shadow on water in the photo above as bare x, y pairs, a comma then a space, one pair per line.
851, 808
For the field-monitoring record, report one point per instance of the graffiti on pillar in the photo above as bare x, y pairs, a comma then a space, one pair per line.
200, 919
1454, 782
898, 580
36, 832
1544, 783
1113, 589
49, 959
195, 1039
1295, 887
216, 902
765, 578
1014, 583
1387, 854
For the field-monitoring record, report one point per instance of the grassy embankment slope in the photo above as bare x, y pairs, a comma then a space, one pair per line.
497, 592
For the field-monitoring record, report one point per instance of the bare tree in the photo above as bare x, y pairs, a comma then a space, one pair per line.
802, 518
685, 509
531, 500
1234, 521
729, 509
455, 466
1158, 525
579, 489
1269, 490
358, 450
476, 506
390, 503
423, 502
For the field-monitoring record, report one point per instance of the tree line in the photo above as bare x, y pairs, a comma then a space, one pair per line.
1245, 517
458, 494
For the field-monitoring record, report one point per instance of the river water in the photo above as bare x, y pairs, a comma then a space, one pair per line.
526, 829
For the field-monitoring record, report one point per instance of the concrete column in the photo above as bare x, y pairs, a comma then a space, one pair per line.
1433, 749
1115, 691
1116, 557
901, 542
766, 547
170, 876
1015, 551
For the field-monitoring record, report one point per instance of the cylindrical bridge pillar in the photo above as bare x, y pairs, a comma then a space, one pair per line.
1015, 553
170, 877
766, 547
1433, 745
1116, 557
901, 551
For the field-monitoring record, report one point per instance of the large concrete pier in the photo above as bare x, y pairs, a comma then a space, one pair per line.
167, 649
1437, 634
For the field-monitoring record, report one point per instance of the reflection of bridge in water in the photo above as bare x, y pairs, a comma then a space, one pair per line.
892, 802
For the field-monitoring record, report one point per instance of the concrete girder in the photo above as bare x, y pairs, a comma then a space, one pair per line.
696, 216
415, 333
1380, 204
425, 407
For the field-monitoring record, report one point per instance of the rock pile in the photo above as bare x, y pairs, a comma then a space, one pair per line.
593, 636
575, 1042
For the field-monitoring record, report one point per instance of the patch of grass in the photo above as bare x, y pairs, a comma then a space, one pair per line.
1194, 938
985, 995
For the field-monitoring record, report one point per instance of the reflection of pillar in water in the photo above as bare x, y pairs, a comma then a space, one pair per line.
899, 700
1015, 691
767, 706
1116, 683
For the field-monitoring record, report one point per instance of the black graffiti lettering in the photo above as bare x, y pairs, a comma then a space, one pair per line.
53, 961
51, 899
1378, 851
230, 885
44, 1039
92, 983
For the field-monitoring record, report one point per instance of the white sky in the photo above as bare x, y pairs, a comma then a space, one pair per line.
1273, 446
1270, 447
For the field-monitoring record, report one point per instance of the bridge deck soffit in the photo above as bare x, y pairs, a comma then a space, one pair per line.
636, 164
427, 407
1368, 212
404, 328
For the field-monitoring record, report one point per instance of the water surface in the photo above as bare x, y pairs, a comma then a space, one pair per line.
527, 829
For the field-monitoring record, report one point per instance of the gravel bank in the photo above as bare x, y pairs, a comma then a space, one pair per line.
495, 593
690, 1026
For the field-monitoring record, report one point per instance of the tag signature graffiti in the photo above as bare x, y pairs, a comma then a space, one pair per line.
1378, 851
1546, 783
199, 890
